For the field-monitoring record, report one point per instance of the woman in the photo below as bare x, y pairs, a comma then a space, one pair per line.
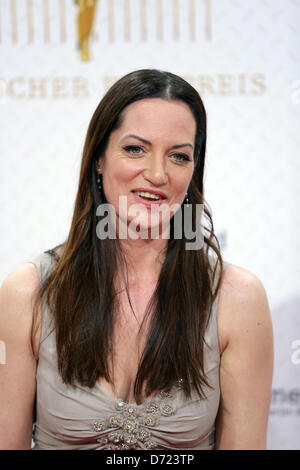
138, 342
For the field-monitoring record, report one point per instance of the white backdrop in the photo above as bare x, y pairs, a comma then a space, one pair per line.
244, 59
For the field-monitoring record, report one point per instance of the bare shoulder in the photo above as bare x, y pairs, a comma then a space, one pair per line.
17, 293
246, 365
243, 303
240, 282
22, 279
18, 374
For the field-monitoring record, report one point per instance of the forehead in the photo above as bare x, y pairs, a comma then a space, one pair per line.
157, 116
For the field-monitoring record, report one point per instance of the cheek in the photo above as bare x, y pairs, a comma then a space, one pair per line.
181, 184
116, 181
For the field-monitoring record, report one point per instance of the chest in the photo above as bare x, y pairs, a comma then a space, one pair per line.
128, 343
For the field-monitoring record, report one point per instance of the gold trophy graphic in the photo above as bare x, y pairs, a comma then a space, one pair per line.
85, 20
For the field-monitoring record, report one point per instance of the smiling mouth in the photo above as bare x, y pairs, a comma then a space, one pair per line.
148, 196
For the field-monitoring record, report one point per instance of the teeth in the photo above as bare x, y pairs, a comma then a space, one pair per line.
149, 195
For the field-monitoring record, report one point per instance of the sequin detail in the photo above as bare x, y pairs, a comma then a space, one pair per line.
152, 407
167, 409
132, 425
99, 425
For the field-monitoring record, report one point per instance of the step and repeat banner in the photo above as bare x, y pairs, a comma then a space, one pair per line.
57, 59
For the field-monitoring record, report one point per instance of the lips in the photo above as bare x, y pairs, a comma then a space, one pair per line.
151, 191
148, 203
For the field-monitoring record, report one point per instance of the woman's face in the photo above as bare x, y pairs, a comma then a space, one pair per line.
151, 151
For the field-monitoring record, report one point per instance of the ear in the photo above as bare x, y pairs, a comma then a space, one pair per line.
98, 163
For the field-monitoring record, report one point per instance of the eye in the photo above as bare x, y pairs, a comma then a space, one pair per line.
133, 149
182, 157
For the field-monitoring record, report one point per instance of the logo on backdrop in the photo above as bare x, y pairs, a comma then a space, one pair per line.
85, 21
31, 22
50, 20
285, 402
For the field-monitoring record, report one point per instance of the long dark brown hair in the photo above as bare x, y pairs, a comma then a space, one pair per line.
80, 290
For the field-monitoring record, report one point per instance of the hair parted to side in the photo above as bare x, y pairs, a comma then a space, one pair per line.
80, 290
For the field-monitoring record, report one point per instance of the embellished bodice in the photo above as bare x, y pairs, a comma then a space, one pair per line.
69, 417
133, 425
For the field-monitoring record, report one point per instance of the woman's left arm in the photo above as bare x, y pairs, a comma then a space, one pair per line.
246, 369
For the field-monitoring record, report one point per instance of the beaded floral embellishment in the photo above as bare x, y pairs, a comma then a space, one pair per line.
132, 424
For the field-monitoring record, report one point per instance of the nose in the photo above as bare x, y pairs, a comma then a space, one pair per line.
156, 171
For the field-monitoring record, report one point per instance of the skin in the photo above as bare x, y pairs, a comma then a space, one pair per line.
153, 165
246, 369
244, 321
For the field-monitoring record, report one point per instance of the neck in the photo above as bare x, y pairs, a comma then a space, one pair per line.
144, 258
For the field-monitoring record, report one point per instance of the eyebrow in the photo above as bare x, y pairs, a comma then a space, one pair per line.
149, 143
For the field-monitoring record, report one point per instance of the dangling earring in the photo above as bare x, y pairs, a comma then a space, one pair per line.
99, 176
186, 201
